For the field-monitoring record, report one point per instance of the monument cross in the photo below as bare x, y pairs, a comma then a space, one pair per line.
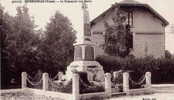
86, 22
84, 53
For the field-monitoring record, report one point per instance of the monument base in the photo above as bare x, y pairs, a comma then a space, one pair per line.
94, 70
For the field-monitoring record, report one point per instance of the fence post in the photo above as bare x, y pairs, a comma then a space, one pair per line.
148, 79
24, 80
45, 81
75, 86
125, 81
108, 84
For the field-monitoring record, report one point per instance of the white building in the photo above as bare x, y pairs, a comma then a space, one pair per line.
147, 26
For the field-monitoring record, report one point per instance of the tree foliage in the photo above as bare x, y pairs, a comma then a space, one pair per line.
168, 55
58, 42
117, 37
26, 49
18, 40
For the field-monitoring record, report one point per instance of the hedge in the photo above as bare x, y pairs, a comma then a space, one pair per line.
162, 68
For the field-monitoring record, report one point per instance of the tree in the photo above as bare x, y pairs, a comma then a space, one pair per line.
18, 40
29, 50
117, 36
57, 45
25, 39
5, 30
168, 55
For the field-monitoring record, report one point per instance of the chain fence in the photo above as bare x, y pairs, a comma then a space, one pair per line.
139, 82
55, 77
53, 84
33, 83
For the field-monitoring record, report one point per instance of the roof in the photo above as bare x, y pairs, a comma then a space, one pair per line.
131, 3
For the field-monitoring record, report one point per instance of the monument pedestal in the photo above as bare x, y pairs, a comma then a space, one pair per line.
84, 53
93, 69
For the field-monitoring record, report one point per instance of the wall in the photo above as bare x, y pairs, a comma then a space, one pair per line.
145, 45
149, 37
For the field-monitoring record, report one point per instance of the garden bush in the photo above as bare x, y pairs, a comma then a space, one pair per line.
60, 87
85, 85
88, 87
162, 68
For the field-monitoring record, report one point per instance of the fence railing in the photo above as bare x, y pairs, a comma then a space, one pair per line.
76, 79
145, 78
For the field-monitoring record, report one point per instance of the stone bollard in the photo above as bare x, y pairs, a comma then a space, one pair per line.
75, 86
148, 79
24, 80
108, 84
125, 81
45, 81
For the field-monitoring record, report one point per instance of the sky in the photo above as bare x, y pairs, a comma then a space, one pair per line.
43, 11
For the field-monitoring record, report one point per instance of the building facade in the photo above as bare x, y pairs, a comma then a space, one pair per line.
146, 25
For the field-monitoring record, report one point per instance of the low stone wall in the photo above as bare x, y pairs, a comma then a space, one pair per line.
140, 91
11, 91
93, 96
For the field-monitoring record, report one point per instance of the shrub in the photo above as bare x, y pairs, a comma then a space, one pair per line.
60, 87
91, 89
162, 68
86, 86
110, 63
168, 55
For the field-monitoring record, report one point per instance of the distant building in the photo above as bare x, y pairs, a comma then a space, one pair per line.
172, 28
147, 27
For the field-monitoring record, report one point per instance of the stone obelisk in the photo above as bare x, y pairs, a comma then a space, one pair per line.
84, 53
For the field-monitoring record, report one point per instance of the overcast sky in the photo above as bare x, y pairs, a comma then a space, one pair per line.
43, 11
